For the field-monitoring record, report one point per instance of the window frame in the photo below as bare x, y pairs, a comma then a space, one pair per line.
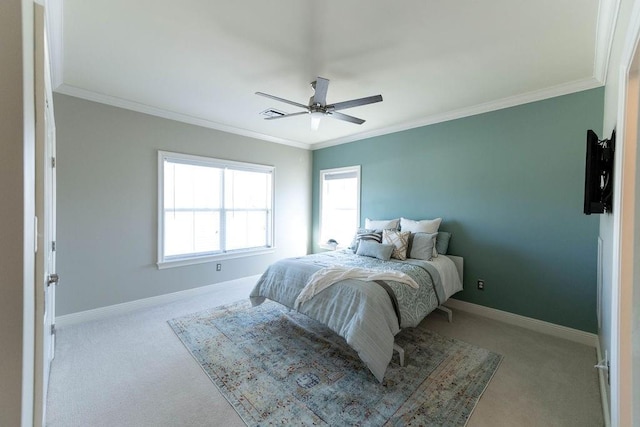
323, 172
190, 259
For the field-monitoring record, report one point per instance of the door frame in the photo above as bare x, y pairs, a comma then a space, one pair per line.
626, 230
45, 214
28, 209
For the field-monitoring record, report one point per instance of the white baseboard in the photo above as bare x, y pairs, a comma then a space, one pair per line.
503, 316
570, 334
128, 307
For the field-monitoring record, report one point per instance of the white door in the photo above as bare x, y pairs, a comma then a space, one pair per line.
46, 277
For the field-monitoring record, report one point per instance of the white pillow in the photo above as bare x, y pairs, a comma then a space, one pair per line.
381, 224
424, 226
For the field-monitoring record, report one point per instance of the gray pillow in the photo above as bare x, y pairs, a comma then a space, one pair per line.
442, 242
375, 250
422, 246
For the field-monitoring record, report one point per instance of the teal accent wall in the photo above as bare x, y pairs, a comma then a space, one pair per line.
509, 186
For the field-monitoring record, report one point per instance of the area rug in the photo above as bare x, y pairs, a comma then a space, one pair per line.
280, 367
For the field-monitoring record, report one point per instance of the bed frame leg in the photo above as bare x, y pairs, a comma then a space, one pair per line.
400, 351
448, 311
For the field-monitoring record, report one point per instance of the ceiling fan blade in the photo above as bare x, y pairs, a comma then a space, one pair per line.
345, 117
321, 85
355, 102
283, 100
287, 115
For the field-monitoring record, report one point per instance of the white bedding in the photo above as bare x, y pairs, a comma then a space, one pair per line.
451, 281
322, 279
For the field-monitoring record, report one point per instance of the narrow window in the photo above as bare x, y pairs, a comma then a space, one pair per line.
211, 208
339, 204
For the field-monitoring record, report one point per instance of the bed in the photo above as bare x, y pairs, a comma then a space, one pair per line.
366, 310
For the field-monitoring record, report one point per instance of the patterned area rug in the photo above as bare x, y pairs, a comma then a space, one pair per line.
280, 367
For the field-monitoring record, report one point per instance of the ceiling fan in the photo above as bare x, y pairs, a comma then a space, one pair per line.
318, 105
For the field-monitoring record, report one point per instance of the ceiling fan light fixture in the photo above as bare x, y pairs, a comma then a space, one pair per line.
315, 119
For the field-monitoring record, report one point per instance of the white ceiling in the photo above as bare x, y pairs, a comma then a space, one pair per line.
201, 61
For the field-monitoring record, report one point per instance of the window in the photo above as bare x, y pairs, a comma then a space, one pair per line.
339, 204
212, 209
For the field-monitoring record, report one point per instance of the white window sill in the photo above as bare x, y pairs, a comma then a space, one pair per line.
211, 258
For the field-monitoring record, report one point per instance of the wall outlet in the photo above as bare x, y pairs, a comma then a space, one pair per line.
481, 284
218, 267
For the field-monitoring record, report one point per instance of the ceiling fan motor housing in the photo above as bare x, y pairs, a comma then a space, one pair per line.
318, 105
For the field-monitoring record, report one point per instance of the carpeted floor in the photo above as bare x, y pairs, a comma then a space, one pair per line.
276, 366
130, 370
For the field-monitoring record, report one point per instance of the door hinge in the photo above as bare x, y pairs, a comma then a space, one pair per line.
53, 279
53, 162
35, 234
53, 246
53, 329
604, 365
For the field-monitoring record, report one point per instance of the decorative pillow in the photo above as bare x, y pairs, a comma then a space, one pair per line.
382, 224
365, 234
424, 226
442, 242
422, 246
375, 250
354, 242
399, 239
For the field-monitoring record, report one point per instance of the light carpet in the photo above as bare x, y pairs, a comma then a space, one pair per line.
280, 367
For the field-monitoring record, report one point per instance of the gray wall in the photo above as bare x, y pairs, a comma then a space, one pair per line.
107, 203
509, 185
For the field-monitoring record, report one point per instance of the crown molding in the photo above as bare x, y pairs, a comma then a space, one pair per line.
54, 11
607, 20
512, 101
539, 95
171, 115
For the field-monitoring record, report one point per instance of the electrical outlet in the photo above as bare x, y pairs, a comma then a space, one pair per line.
481, 284
218, 267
